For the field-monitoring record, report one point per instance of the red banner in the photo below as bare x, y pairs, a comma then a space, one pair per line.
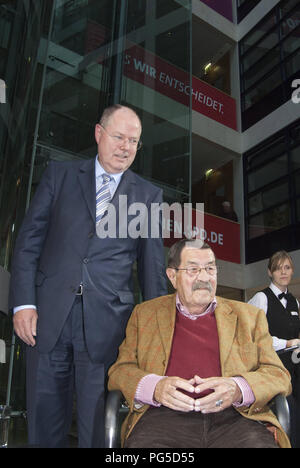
221, 234
150, 70
155, 73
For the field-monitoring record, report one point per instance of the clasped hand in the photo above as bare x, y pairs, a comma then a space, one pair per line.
168, 393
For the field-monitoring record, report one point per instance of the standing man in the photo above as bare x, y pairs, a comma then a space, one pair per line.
72, 291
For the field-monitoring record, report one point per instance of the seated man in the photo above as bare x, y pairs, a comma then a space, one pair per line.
198, 370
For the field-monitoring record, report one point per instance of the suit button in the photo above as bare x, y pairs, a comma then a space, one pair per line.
85, 260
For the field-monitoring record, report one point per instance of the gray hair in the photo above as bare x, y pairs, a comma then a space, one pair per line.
174, 256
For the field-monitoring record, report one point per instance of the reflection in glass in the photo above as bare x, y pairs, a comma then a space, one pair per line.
267, 198
256, 72
268, 173
261, 49
270, 48
269, 221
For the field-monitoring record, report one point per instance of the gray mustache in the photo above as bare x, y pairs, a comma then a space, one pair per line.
202, 285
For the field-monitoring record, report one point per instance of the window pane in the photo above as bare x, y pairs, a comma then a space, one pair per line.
267, 173
287, 6
261, 68
271, 150
297, 183
293, 64
264, 200
258, 32
269, 221
259, 50
244, 7
295, 158
263, 89
295, 134
291, 43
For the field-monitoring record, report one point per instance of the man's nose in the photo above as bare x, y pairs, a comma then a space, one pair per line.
125, 143
200, 272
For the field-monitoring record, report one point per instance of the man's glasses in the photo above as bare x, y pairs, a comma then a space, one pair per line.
121, 140
194, 271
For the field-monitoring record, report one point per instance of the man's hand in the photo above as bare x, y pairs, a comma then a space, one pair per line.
168, 393
225, 389
25, 321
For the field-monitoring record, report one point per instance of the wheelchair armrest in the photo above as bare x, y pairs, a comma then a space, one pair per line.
115, 412
282, 411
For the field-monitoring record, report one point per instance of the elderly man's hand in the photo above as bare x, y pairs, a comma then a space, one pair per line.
168, 393
225, 390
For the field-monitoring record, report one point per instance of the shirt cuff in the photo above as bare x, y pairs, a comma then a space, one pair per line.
247, 393
16, 309
279, 343
145, 390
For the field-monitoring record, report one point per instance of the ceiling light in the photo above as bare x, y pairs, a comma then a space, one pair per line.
207, 67
208, 173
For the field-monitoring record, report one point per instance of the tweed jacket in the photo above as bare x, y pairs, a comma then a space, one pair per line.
245, 350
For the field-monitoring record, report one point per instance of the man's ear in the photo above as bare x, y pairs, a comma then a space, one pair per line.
97, 133
171, 274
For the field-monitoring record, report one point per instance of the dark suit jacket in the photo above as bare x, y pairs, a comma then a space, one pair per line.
57, 248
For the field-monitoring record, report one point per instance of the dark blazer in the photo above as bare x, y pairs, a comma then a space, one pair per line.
57, 248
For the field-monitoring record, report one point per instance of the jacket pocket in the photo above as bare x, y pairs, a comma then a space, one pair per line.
126, 297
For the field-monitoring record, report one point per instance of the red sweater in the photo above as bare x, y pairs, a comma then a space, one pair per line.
195, 349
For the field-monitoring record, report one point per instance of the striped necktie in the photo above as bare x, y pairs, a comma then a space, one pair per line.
103, 197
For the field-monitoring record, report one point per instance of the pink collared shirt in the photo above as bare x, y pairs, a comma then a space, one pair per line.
146, 387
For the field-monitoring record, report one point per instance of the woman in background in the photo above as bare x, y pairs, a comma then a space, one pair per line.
282, 311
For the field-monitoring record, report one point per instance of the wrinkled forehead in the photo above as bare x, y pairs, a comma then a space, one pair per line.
194, 254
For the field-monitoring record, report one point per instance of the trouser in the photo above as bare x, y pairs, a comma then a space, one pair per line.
165, 428
52, 379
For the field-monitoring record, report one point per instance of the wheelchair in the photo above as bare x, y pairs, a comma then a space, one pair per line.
116, 411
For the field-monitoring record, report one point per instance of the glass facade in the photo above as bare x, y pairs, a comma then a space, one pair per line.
63, 62
272, 195
269, 62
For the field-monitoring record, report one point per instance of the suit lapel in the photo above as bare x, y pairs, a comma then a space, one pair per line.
226, 323
87, 180
124, 188
166, 317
